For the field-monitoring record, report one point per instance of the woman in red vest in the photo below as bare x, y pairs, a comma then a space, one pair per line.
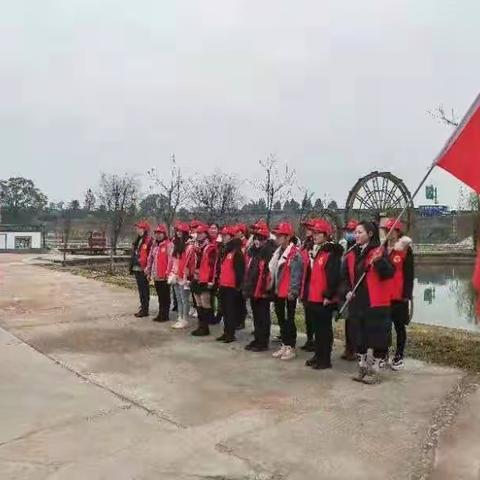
178, 273
204, 276
286, 269
255, 287
401, 256
138, 263
157, 270
320, 290
369, 305
230, 282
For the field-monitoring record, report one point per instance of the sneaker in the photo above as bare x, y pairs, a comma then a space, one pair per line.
382, 363
397, 363
180, 324
289, 353
311, 361
279, 353
362, 372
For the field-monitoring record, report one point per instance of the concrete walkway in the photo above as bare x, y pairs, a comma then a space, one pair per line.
89, 392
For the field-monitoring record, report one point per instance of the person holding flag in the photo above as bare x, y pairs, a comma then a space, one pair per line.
368, 272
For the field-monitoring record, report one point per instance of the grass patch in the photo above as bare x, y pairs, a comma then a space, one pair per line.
441, 345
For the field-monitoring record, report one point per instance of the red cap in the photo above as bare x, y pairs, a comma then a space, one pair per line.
194, 224
308, 223
321, 226
202, 228
393, 224
182, 227
231, 230
351, 225
284, 228
241, 227
144, 225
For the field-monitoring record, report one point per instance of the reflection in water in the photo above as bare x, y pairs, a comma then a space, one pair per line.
444, 296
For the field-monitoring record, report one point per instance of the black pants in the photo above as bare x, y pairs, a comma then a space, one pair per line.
163, 292
261, 320
143, 291
308, 326
321, 321
400, 318
231, 300
288, 329
350, 336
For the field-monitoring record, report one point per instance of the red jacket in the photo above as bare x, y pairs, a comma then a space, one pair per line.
207, 258
377, 281
159, 260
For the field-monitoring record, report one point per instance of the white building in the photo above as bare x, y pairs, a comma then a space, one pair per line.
20, 237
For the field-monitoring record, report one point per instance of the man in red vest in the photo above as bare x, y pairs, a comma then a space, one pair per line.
157, 270
401, 255
138, 263
286, 268
230, 282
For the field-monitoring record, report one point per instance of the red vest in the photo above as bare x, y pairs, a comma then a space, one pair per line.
284, 277
397, 282
162, 260
379, 290
206, 271
144, 251
227, 271
318, 278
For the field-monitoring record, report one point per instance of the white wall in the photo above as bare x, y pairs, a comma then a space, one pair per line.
36, 237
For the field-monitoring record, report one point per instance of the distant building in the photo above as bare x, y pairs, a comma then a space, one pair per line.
21, 237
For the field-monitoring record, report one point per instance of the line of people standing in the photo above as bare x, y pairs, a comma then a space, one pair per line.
219, 270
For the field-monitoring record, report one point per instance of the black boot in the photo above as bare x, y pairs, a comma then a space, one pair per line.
259, 348
160, 319
251, 345
311, 362
221, 338
200, 315
141, 314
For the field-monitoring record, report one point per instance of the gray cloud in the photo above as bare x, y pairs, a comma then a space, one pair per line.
337, 89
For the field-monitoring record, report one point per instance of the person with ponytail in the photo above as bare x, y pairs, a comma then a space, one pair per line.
369, 268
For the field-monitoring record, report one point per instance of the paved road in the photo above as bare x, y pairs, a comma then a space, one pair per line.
88, 391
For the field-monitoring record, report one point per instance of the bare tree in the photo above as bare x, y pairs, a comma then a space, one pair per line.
90, 200
276, 184
216, 197
306, 206
448, 119
118, 198
171, 191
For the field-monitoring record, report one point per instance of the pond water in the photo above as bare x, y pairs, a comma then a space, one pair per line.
444, 295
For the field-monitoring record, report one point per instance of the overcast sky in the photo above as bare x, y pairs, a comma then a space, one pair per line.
336, 88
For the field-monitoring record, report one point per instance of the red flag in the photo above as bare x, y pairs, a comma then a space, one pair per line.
461, 154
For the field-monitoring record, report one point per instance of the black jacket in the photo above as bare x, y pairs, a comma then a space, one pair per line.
251, 278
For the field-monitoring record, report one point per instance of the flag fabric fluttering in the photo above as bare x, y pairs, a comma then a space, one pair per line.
461, 154
461, 158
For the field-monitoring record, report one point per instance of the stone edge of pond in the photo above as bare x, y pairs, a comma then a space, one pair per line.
429, 343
